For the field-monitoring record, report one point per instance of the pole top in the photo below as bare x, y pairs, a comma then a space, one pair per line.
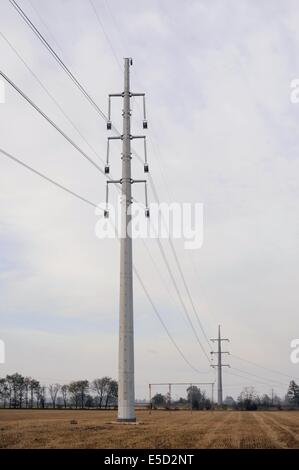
129, 59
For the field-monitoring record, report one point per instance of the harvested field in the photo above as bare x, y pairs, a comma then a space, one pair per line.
161, 429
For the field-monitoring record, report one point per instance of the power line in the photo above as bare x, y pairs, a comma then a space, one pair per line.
179, 266
60, 186
160, 246
39, 110
50, 96
263, 367
162, 322
170, 241
94, 205
189, 321
57, 58
257, 376
104, 31
156, 196
62, 64
102, 26
189, 293
64, 188
117, 27
85, 93
158, 270
41, 175
103, 115
43, 22
181, 299
67, 70
260, 381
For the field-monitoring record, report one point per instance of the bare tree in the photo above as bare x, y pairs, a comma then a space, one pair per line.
64, 393
100, 386
9, 390
26, 390
78, 391
33, 387
16, 389
3, 391
53, 390
40, 393
74, 394
83, 386
111, 392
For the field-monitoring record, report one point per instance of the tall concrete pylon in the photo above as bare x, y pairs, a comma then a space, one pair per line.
126, 383
126, 388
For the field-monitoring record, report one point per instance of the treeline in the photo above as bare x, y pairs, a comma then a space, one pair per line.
196, 399
248, 399
17, 391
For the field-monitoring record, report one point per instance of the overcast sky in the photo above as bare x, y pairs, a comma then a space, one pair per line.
222, 131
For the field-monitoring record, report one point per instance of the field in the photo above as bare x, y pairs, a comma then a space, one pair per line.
161, 429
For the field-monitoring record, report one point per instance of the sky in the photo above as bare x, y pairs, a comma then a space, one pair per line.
222, 132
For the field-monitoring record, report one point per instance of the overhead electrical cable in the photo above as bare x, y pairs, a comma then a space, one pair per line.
44, 115
50, 180
82, 89
51, 97
76, 195
263, 367
156, 196
162, 322
57, 58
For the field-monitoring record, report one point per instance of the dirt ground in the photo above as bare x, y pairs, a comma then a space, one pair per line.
161, 429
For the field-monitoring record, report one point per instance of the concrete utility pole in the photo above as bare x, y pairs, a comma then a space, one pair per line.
219, 365
126, 392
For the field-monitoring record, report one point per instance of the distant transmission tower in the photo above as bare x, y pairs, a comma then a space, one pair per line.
126, 392
220, 365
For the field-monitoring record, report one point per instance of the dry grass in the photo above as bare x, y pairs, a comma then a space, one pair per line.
161, 429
